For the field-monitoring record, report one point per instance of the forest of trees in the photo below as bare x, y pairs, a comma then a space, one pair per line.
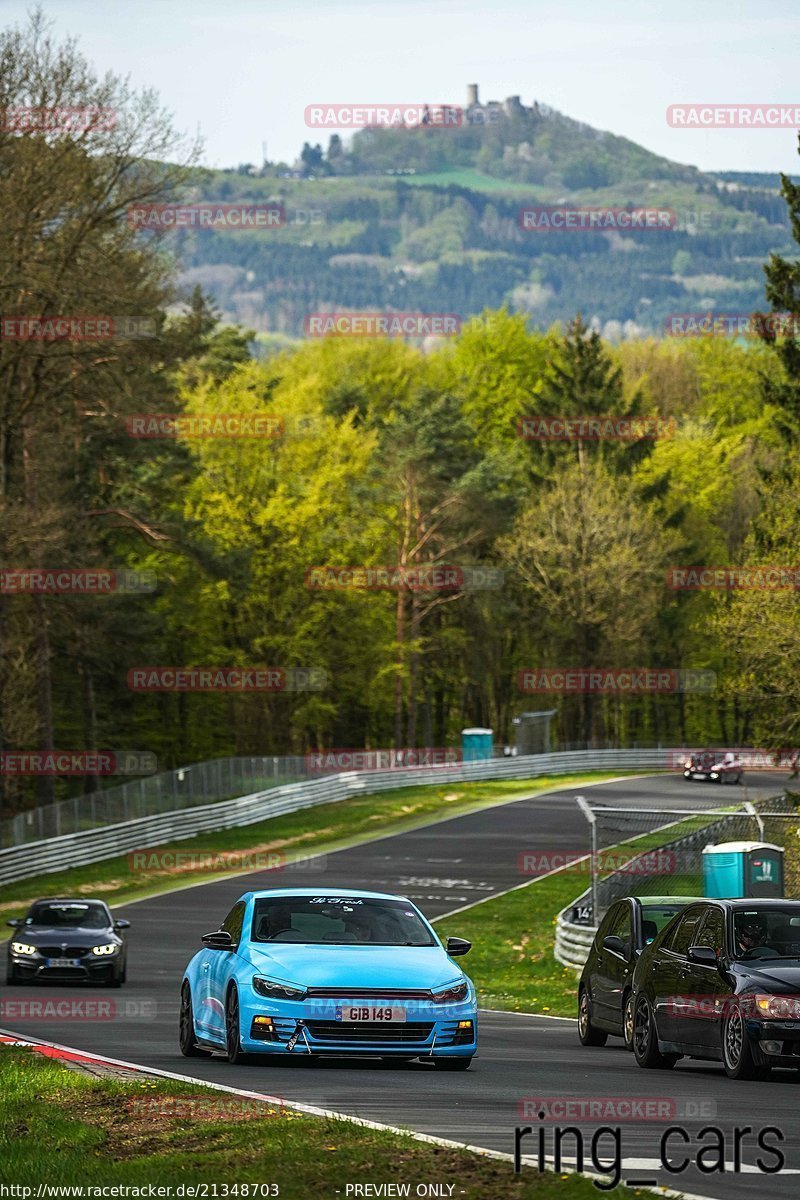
390, 455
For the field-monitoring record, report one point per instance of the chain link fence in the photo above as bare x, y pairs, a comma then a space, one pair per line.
186, 787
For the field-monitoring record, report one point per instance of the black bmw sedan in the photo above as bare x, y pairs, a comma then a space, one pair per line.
722, 982
76, 940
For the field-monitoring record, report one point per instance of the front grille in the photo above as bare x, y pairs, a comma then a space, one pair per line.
57, 952
371, 993
342, 1031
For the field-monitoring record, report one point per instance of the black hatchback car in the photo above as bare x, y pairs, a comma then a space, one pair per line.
606, 983
76, 940
722, 982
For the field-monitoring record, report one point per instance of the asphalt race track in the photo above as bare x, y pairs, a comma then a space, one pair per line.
444, 867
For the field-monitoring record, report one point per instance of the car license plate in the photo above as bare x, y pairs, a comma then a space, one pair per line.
62, 962
385, 1013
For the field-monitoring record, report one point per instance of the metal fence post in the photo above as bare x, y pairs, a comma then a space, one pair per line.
592, 819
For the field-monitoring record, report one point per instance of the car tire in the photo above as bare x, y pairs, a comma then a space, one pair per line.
588, 1033
645, 1039
627, 1022
12, 978
186, 1034
452, 1064
737, 1051
232, 1032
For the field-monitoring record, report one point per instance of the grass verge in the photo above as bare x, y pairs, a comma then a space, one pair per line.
314, 830
61, 1128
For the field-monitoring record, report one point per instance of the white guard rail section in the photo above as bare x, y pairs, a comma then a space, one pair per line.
95, 845
573, 942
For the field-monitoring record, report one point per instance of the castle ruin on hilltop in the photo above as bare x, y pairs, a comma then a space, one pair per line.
486, 114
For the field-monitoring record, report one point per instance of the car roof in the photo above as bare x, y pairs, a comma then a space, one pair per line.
750, 902
266, 893
656, 901
67, 900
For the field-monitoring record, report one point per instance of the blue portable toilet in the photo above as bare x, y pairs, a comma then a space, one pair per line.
742, 869
477, 744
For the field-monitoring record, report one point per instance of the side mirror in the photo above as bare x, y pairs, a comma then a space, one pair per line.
218, 940
122, 924
614, 945
456, 946
703, 955
15, 923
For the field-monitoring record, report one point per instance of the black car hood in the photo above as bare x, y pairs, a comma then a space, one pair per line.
39, 935
780, 977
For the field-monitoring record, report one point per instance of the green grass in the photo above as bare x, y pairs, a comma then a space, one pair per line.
512, 962
61, 1128
477, 182
315, 830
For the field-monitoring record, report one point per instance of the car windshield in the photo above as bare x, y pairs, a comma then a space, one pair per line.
338, 920
65, 915
772, 932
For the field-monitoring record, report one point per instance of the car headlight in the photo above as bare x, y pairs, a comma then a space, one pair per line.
452, 993
274, 989
777, 1007
688, 766
22, 948
109, 948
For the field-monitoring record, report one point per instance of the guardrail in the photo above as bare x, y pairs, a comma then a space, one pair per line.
573, 942
95, 845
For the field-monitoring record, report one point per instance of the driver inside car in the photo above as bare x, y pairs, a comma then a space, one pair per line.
751, 937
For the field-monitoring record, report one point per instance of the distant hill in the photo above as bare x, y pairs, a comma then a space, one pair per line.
429, 220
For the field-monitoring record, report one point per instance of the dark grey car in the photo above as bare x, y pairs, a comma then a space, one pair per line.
69, 940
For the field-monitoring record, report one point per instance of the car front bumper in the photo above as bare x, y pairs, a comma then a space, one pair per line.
314, 1027
777, 1042
88, 968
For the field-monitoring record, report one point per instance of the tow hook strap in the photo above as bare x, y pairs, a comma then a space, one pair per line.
293, 1040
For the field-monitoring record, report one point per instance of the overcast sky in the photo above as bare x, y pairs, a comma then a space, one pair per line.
243, 71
